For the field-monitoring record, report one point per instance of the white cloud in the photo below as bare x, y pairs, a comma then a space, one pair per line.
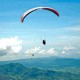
68, 48
40, 51
51, 51
10, 45
63, 52
32, 50
16, 49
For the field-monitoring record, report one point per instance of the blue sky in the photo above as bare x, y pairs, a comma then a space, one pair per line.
58, 31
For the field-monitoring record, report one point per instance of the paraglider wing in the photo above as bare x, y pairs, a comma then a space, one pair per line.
52, 10
33, 9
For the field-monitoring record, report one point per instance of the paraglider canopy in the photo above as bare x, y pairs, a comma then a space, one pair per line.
38, 8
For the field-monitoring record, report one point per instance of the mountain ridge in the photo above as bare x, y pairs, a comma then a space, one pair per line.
16, 71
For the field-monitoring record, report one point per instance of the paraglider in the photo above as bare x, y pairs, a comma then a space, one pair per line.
38, 8
32, 54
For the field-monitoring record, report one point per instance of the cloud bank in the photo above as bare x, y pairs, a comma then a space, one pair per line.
40, 52
71, 52
12, 48
11, 45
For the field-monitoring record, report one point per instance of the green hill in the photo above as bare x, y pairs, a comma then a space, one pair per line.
16, 71
50, 63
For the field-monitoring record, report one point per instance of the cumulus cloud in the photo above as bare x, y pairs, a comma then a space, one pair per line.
66, 51
10, 45
40, 51
71, 52
63, 52
32, 50
68, 48
51, 51
3, 52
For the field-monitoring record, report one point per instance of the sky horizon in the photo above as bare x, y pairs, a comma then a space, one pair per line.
21, 40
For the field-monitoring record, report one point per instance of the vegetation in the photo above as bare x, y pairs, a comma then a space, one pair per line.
16, 71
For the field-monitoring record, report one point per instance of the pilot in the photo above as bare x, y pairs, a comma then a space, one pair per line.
44, 42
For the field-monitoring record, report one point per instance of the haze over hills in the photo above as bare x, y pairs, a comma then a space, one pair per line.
50, 63
16, 71
47, 61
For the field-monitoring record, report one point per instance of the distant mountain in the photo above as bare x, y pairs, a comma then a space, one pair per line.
52, 63
16, 71
49, 62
